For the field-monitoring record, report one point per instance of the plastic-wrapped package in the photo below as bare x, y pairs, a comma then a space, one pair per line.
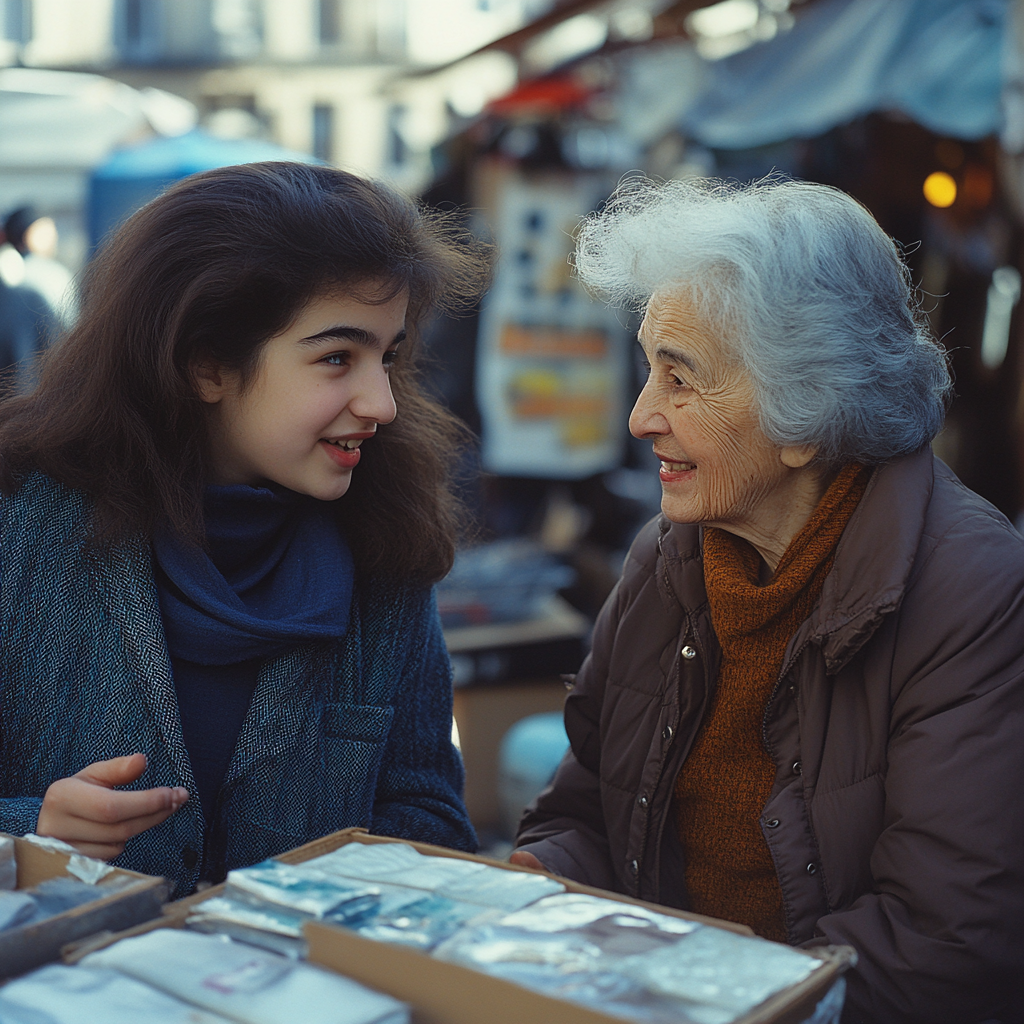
410, 917
243, 983
720, 970
397, 863
56, 895
273, 942
463, 881
83, 995
629, 961
577, 910
8, 864
252, 913
47, 899
501, 889
15, 908
305, 889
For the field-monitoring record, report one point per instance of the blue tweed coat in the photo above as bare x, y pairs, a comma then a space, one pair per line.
344, 733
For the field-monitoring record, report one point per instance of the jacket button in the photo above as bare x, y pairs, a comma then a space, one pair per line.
189, 857
773, 823
688, 652
798, 767
634, 868
667, 733
792, 691
642, 801
812, 868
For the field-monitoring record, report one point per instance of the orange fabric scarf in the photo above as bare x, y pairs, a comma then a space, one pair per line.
728, 776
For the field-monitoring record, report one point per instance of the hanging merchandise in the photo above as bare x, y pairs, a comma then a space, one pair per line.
552, 364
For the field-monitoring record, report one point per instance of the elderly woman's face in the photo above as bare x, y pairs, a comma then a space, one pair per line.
699, 410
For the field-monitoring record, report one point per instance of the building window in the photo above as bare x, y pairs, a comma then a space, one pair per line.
323, 132
18, 20
329, 22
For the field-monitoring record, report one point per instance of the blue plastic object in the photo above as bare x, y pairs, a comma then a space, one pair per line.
131, 177
530, 753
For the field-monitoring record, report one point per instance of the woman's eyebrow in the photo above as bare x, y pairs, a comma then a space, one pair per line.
674, 355
358, 335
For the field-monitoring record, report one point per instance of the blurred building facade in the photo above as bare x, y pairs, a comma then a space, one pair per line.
324, 77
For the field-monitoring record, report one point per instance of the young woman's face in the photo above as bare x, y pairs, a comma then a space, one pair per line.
321, 391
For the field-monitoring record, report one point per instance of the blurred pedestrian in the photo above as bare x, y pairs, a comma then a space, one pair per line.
224, 508
27, 321
35, 238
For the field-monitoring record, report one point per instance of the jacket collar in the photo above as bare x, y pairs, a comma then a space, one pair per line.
872, 564
874, 558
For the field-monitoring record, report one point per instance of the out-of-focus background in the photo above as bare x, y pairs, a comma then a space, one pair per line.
523, 115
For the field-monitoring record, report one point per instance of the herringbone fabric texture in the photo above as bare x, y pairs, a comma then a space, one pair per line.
349, 733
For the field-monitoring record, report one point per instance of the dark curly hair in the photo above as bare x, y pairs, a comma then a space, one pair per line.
212, 269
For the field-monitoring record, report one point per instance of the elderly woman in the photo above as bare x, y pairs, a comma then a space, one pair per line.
803, 709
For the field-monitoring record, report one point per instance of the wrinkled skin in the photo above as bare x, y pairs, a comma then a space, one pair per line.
699, 410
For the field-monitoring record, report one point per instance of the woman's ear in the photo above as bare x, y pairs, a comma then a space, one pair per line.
798, 456
210, 381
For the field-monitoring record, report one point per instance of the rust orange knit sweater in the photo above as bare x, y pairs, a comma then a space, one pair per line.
728, 776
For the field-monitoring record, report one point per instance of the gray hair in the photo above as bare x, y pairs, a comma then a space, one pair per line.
808, 287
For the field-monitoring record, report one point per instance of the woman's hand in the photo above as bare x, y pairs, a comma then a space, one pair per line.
526, 860
87, 812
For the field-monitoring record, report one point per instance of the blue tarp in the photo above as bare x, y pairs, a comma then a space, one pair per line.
133, 176
937, 61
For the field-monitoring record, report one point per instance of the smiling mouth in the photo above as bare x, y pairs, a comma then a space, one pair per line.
346, 445
677, 467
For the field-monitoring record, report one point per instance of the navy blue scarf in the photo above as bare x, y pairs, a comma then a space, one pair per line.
279, 573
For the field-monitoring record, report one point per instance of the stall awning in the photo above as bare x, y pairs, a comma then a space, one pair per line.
937, 61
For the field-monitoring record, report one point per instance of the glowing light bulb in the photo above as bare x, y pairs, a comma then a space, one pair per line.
940, 189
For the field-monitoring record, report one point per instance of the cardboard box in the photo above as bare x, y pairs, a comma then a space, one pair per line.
445, 993
31, 945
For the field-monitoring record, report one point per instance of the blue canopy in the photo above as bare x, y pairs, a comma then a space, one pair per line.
937, 61
133, 176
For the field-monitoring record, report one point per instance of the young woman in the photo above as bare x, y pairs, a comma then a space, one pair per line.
224, 507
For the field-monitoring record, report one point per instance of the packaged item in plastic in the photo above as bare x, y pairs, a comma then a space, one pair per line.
284, 945
501, 889
83, 995
411, 917
304, 889
251, 913
8, 864
629, 961
572, 910
397, 863
720, 970
15, 908
246, 984
463, 881
56, 895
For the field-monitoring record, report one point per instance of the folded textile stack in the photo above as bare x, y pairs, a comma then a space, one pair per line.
169, 976
49, 898
451, 877
388, 892
628, 961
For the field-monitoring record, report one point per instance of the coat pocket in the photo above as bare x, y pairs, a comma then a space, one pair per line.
362, 723
326, 781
